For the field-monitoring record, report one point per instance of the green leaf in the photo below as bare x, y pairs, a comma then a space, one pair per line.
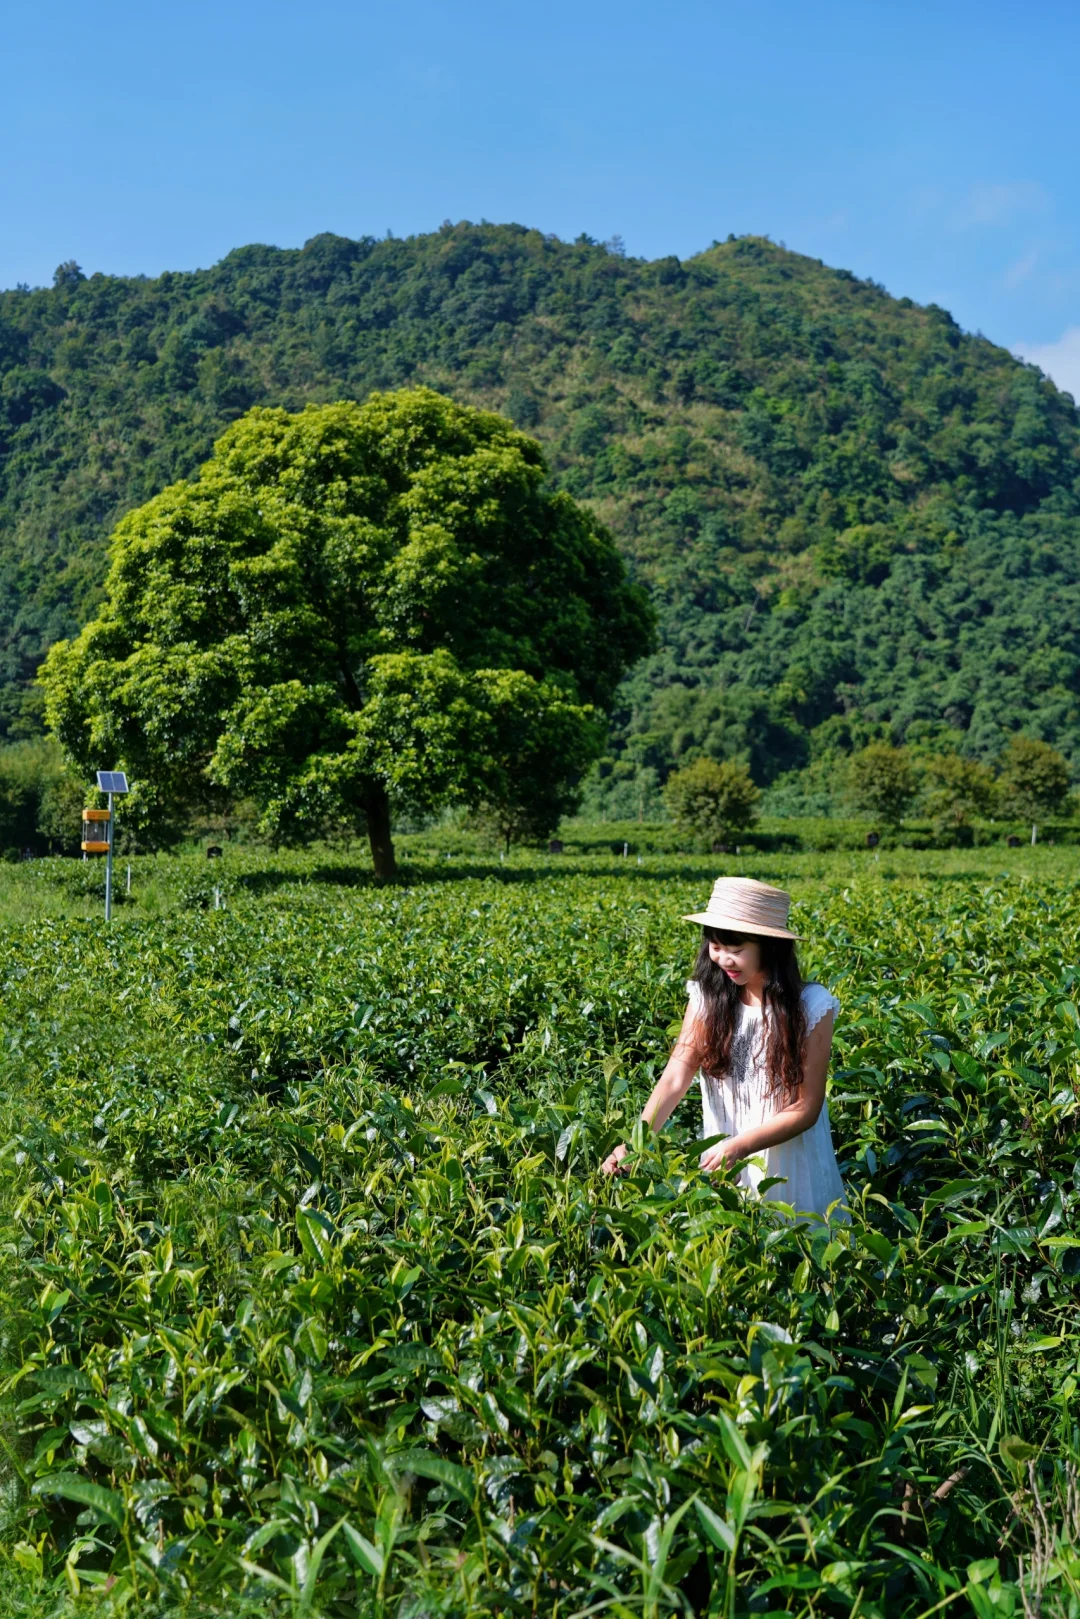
740, 1496
798, 1577
953, 1293
717, 1529
71, 1487
363, 1553
318, 1552
447, 1087
967, 1228
953, 1192
737, 1449
968, 1069
879, 1245
315, 1233
459, 1480
1015, 1451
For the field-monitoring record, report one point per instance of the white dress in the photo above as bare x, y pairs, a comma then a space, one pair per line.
738, 1102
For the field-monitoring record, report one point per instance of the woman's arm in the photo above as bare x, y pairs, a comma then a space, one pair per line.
670, 1088
790, 1121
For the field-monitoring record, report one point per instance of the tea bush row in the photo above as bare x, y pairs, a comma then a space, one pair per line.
313, 1290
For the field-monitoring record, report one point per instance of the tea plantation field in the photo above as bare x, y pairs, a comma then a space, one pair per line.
315, 1302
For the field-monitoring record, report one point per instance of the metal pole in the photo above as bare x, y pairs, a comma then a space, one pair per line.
108, 866
129, 880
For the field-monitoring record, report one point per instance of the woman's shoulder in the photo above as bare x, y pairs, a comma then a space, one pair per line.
817, 1001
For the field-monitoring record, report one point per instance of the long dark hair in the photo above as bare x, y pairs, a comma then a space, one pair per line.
785, 1020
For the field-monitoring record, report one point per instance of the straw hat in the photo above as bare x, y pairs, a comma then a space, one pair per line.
741, 905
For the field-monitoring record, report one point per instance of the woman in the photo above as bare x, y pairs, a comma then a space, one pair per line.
760, 1040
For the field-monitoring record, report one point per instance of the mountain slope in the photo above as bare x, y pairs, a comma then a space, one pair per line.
852, 515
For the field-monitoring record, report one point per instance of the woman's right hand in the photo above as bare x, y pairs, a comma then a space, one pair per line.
611, 1163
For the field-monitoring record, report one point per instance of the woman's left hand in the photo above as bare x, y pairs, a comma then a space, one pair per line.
725, 1152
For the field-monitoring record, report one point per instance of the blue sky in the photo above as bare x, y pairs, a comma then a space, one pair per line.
929, 145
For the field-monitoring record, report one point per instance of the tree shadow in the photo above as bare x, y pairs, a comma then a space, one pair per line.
972, 876
692, 868
410, 875
268, 880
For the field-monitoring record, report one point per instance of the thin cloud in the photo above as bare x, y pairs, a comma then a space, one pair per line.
826, 224
1060, 361
1022, 269
995, 204
820, 233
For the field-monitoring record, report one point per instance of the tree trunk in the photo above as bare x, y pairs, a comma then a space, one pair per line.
377, 808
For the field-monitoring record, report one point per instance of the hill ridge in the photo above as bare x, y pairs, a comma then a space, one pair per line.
854, 516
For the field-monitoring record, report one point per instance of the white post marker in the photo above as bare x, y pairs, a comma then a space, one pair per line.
111, 782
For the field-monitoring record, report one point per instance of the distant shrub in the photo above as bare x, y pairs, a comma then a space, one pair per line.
1034, 778
959, 791
712, 801
40, 799
883, 782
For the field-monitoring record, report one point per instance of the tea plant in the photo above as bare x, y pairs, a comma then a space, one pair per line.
315, 1299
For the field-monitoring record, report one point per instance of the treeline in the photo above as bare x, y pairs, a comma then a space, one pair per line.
858, 523
892, 796
41, 800
1029, 781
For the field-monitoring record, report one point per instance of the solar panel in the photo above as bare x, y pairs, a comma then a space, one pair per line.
112, 781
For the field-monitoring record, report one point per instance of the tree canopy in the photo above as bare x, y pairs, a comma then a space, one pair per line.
712, 801
352, 608
1034, 778
883, 782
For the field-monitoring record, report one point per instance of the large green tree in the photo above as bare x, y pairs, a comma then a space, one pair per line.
352, 608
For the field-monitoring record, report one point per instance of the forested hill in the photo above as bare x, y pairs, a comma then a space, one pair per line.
852, 514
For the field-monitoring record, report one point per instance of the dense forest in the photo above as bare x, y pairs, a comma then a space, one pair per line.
856, 520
